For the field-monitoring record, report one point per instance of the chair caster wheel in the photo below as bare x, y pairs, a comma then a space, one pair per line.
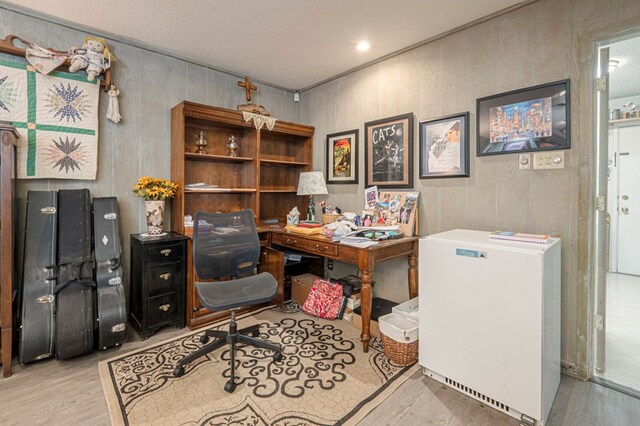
178, 371
204, 339
277, 357
255, 333
230, 386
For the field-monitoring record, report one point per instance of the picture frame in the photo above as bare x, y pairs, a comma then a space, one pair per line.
444, 147
536, 118
389, 152
342, 157
398, 208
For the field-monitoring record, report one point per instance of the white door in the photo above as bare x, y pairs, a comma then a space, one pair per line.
629, 201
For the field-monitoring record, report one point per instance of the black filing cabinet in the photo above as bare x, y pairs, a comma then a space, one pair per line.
158, 277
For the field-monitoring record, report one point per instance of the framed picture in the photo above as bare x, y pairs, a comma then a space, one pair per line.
397, 208
389, 152
444, 147
342, 157
533, 119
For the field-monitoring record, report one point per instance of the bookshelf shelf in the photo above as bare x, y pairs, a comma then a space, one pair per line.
284, 163
220, 191
211, 157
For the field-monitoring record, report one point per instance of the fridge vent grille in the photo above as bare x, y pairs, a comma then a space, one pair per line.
476, 394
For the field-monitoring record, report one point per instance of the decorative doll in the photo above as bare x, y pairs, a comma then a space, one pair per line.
94, 56
113, 113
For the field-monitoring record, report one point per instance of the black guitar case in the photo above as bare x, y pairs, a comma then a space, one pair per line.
38, 277
112, 309
75, 288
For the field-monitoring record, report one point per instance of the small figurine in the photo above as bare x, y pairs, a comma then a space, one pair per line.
113, 113
201, 143
94, 56
232, 146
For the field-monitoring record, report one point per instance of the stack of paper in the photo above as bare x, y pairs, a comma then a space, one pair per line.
519, 236
357, 242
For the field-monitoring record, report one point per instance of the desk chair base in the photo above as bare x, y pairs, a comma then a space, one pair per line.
232, 337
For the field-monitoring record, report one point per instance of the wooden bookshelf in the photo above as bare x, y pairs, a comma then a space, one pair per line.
8, 138
263, 177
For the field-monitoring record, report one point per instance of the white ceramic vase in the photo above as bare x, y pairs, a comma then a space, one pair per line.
155, 216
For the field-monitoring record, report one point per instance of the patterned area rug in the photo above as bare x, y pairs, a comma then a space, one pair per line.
324, 379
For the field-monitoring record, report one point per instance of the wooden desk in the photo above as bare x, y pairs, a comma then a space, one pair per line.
365, 258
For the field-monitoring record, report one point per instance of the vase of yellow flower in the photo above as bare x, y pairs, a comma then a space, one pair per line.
154, 191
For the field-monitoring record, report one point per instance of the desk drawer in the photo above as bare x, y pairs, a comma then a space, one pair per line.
164, 278
164, 253
304, 244
162, 309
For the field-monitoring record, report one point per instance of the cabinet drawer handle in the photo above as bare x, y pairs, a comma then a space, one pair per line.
294, 242
164, 307
321, 249
166, 252
165, 276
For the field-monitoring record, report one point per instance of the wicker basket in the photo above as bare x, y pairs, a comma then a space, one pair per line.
328, 218
400, 353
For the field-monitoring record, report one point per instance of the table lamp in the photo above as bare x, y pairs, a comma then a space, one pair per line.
311, 183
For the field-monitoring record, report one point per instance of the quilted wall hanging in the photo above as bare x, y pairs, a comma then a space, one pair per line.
56, 116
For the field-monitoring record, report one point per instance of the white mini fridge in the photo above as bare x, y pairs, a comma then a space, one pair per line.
490, 320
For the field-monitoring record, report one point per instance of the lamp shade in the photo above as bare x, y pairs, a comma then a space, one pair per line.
312, 183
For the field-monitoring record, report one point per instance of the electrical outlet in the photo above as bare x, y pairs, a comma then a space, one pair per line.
548, 160
524, 161
330, 264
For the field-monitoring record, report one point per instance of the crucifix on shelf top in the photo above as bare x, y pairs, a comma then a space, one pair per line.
248, 87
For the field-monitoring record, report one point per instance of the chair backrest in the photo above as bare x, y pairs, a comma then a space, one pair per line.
225, 244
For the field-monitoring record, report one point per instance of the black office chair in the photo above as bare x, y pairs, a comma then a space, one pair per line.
227, 245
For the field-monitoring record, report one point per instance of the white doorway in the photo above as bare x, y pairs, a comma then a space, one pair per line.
624, 196
618, 300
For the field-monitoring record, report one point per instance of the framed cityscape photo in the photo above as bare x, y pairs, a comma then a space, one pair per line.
388, 152
342, 157
444, 147
533, 119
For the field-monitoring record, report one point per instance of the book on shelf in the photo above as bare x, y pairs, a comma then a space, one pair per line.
201, 186
520, 236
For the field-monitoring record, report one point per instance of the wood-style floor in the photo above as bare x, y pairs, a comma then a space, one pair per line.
622, 360
70, 393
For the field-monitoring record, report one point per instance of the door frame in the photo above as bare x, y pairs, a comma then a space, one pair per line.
598, 189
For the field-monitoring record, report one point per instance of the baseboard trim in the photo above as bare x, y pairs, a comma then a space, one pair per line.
616, 387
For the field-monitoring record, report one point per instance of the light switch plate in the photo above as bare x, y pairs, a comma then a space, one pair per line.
524, 161
548, 160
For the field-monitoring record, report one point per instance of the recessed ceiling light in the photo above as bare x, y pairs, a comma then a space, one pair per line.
363, 46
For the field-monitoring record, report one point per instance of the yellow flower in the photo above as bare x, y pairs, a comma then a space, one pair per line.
154, 188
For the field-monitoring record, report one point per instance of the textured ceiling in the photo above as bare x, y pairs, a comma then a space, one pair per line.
289, 43
625, 81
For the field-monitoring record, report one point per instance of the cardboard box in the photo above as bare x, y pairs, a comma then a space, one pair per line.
301, 287
374, 328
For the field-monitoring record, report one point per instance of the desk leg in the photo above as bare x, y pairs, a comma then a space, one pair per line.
365, 307
413, 276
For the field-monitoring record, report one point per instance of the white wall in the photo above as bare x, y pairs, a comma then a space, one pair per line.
150, 85
542, 42
619, 102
